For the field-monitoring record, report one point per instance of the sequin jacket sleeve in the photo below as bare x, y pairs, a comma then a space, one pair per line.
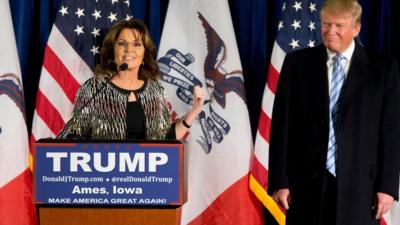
103, 115
80, 123
156, 110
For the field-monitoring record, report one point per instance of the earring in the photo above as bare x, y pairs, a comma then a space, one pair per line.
142, 63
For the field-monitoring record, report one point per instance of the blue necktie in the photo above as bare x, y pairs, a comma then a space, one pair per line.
334, 105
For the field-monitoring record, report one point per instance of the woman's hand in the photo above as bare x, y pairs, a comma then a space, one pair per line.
186, 121
199, 95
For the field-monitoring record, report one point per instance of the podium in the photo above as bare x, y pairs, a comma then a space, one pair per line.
108, 216
104, 183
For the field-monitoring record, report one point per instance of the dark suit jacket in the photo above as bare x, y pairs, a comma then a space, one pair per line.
368, 135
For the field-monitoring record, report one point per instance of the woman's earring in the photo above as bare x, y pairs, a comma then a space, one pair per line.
142, 63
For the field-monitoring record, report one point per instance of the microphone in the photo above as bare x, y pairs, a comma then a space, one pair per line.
121, 67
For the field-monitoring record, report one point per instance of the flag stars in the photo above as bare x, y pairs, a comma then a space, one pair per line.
311, 43
79, 30
296, 24
96, 14
284, 6
112, 17
294, 44
79, 12
312, 7
95, 32
128, 17
280, 25
63, 10
311, 26
114, 1
297, 6
95, 50
126, 2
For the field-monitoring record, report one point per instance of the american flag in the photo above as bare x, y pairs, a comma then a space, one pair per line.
70, 55
298, 28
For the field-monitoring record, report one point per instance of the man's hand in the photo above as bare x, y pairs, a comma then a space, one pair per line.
282, 197
383, 203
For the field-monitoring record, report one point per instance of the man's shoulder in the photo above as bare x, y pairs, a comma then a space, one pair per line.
378, 57
313, 51
305, 56
375, 61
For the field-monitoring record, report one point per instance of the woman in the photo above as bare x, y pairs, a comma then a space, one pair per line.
124, 99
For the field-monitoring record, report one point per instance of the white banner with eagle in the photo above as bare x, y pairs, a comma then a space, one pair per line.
198, 47
16, 205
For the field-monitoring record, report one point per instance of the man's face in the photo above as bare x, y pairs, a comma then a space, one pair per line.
338, 30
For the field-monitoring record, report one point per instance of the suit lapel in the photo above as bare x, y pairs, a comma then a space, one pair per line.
321, 81
356, 76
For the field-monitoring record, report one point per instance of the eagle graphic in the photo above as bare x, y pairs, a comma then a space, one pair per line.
10, 85
218, 81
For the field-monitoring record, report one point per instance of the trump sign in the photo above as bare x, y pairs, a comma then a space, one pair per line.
109, 173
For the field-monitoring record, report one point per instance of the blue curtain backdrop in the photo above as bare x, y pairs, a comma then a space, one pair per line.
255, 22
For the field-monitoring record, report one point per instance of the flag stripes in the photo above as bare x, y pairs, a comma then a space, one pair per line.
264, 125
259, 184
70, 58
56, 94
40, 128
259, 169
49, 111
56, 69
260, 173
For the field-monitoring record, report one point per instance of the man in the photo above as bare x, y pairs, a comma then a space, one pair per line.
335, 136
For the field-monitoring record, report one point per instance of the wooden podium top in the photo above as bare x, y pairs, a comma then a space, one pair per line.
110, 216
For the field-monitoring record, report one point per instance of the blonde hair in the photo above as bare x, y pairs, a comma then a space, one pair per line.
351, 7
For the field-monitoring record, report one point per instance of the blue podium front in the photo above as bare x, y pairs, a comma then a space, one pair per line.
149, 173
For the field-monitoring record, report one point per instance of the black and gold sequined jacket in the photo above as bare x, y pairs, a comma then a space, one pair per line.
100, 112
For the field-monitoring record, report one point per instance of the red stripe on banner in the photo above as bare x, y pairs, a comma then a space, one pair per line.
236, 205
259, 172
48, 113
16, 204
264, 125
272, 79
383, 222
60, 74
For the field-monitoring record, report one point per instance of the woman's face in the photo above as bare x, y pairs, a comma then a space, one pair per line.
129, 49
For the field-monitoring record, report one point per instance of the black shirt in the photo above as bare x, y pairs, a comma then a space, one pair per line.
135, 120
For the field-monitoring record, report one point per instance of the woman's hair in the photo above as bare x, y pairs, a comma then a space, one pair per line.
107, 67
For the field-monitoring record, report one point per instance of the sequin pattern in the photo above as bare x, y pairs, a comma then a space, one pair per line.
104, 115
